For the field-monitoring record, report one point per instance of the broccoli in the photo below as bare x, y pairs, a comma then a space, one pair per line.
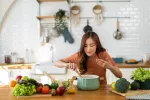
122, 85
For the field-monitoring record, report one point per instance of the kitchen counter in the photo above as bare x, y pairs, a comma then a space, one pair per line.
102, 93
29, 66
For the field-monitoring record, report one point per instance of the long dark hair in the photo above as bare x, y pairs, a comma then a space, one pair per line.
82, 55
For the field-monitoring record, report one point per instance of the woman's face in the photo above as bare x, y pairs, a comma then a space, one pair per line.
90, 47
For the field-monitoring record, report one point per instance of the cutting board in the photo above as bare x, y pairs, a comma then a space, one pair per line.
132, 92
35, 96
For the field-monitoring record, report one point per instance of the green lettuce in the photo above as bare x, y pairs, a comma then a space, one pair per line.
141, 74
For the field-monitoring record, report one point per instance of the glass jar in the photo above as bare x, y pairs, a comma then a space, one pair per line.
13, 57
7, 59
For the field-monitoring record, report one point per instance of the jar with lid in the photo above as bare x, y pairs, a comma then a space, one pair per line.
7, 59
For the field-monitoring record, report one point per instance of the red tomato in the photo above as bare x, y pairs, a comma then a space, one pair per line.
45, 90
39, 89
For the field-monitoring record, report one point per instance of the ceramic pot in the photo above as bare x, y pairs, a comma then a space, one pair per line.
145, 85
88, 82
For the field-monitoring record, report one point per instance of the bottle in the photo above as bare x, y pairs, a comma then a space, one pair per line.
29, 55
7, 59
13, 57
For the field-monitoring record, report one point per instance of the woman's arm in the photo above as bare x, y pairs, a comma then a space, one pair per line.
69, 62
61, 63
109, 64
116, 71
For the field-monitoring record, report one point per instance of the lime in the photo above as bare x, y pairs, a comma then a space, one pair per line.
113, 85
25, 78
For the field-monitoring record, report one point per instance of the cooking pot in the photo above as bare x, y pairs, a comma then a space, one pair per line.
88, 82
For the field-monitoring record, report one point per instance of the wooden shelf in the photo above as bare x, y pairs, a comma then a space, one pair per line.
123, 65
16, 66
45, 17
51, 0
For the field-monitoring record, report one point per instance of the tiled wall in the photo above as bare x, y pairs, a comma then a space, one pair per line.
21, 28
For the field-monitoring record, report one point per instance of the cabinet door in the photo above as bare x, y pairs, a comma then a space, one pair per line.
4, 77
16, 72
110, 77
126, 72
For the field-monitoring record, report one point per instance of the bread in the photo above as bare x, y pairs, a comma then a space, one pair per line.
132, 60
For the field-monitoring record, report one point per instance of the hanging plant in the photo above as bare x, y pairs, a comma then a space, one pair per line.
61, 25
60, 20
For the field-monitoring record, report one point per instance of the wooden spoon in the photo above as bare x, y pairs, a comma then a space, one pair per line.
76, 71
49, 76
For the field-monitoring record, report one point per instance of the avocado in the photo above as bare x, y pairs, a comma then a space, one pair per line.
135, 85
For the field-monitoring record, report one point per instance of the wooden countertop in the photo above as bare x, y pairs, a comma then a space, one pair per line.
102, 93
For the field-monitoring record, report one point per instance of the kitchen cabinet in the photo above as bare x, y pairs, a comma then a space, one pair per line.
126, 70
10, 71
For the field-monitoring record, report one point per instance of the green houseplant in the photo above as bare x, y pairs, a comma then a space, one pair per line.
142, 76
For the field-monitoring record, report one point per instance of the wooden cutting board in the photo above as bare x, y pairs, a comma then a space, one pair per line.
132, 92
35, 95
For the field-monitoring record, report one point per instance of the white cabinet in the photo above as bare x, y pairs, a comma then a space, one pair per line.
126, 74
4, 77
10, 74
22, 72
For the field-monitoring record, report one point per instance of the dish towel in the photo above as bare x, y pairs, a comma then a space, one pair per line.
139, 97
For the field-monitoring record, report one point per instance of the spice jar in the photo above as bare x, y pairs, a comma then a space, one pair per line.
71, 89
20, 60
7, 59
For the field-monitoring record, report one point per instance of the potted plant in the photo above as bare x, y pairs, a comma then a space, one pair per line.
142, 76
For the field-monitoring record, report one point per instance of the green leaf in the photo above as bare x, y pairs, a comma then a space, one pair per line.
141, 74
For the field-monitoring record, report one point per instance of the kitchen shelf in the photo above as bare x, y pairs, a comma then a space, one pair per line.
51, 0
123, 65
45, 17
15, 66
100, 1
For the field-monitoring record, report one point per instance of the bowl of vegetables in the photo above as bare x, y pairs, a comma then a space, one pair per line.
142, 76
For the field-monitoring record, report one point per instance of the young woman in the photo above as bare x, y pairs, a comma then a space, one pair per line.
92, 58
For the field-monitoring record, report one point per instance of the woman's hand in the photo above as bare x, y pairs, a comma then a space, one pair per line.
106, 64
72, 66
103, 63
